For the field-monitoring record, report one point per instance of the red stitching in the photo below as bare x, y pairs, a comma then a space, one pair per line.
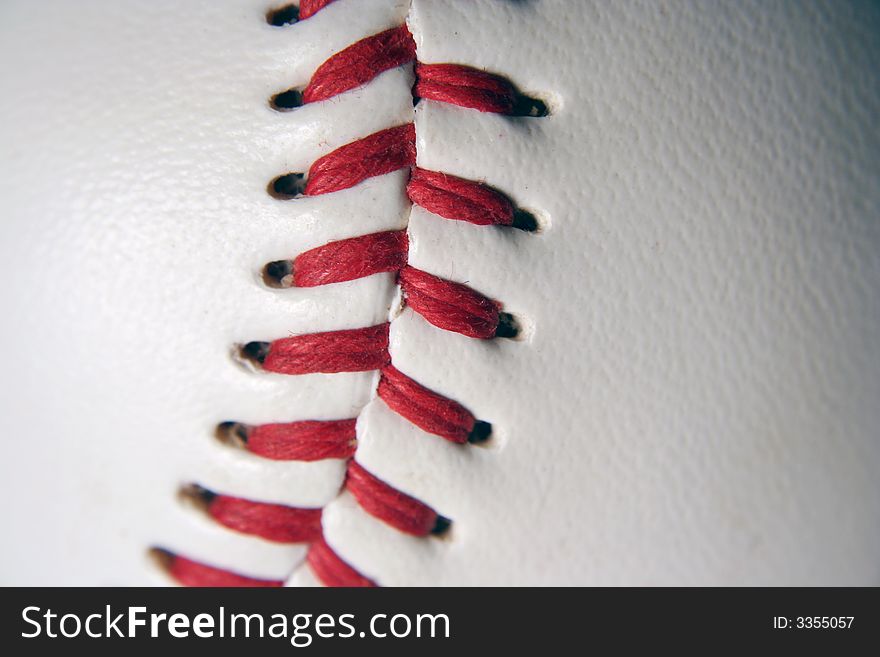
192, 573
388, 504
360, 63
353, 350
448, 83
375, 155
331, 569
392, 149
346, 260
450, 306
309, 8
466, 87
459, 199
425, 408
307, 440
446, 304
274, 522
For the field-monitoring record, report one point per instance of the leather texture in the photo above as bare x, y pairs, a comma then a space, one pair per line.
695, 400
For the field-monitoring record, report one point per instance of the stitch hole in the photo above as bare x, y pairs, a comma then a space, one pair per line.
530, 107
288, 186
481, 432
161, 558
531, 221
254, 352
196, 497
285, 15
526, 221
278, 274
508, 326
234, 434
441, 526
286, 100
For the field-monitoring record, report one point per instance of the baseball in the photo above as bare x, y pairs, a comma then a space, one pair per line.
440, 292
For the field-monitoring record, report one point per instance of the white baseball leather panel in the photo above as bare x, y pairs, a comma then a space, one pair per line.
138, 144
695, 396
696, 401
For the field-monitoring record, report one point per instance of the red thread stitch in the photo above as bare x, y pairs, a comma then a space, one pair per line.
459, 199
365, 59
192, 573
449, 305
346, 260
308, 8
353, 350
274, 522
330, 568
425, 408
360, 63
308, 440
466, 87
390, 505
375, 155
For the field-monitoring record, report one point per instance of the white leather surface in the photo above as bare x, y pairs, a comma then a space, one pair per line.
696, 401
137, 146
